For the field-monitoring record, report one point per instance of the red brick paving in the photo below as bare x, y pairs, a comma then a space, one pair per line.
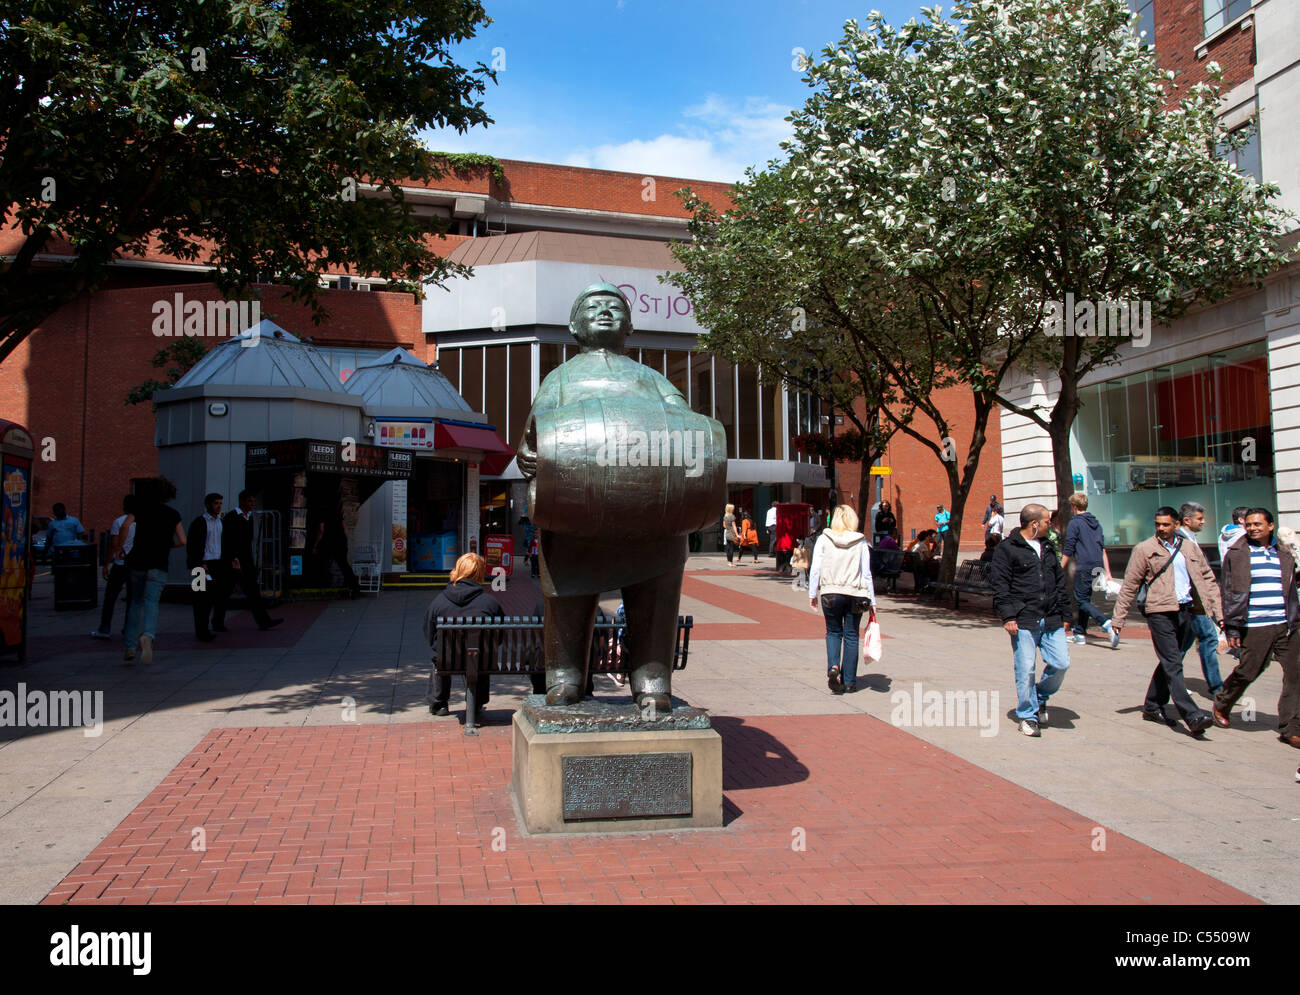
410, 813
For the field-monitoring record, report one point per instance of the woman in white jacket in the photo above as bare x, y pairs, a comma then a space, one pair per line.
841, 575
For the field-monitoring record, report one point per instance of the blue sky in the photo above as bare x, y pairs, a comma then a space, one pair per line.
688, 89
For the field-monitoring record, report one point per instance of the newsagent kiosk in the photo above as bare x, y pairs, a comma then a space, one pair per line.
383, 466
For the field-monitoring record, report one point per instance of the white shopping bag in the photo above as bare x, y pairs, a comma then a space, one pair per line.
872, 650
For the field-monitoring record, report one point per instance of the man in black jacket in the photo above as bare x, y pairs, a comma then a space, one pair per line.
1029, 595
237, 559
203, 550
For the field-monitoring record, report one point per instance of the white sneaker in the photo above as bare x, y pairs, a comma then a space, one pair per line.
1029, 727
1042, 716
146, 649
1109, 629
1079, 639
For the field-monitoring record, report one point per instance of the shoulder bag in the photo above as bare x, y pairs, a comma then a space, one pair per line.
1140, 599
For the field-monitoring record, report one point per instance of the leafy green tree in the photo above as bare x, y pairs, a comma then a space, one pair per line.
267, 139
1024, 151
177, 357
761, 283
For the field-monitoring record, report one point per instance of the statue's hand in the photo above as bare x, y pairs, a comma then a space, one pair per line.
526, 460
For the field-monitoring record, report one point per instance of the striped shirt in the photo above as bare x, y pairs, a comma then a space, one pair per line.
1267, 606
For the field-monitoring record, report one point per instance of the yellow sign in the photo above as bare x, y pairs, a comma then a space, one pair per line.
881, 471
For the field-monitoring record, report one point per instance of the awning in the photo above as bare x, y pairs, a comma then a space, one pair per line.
485, 440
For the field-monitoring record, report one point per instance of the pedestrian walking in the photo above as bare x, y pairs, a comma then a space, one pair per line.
463, 597
841, 577
1233, 531
116, 576
1085, 545
1202, 631
748, 537
993, 508
203, 552
1029, 596
730, 537
157, 532
1175, 576
1261, 611
994, 526
800, 562
240, 566
770, 525
64, 529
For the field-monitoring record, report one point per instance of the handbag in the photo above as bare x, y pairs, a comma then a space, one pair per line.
1140, 599
871, 642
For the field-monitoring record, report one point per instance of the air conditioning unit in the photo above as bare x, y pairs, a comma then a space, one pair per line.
363, 286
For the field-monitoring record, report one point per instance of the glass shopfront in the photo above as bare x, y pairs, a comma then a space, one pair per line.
1198, 430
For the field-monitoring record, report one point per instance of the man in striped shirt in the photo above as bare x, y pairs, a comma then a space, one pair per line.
1261, 612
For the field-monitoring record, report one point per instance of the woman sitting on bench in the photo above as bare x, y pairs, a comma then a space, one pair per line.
463, 597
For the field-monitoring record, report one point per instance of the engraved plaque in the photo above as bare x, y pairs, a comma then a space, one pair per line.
626, 786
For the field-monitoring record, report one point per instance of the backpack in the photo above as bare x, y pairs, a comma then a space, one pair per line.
748, 535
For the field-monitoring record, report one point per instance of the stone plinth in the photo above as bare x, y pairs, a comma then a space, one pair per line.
596, 767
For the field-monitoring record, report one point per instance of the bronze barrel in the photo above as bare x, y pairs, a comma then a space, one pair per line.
622, 470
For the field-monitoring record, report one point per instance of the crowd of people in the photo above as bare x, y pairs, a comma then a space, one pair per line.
1251, 612
218, 554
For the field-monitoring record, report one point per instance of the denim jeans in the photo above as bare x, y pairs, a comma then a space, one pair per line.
1203, 631
1083, 599
843, 618
1025, 645
142, 618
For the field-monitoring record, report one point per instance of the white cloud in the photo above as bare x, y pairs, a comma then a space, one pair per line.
720, 138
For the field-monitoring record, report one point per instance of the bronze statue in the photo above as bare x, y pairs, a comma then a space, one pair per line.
620, 471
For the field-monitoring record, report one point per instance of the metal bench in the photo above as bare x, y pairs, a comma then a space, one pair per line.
513, 645
887, 564
972, 578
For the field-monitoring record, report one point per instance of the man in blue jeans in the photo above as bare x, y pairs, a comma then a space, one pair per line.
1085, 544
1029, 596
1202, 631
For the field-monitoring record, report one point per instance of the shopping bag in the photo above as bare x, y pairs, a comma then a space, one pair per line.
871, 641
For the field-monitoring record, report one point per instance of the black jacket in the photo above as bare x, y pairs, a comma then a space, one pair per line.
1028, 588
237, 539
463, 599
885, 521
1235, 586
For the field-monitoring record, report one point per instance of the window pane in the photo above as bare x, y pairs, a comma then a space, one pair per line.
494, 398
725, 405
749, 412
471, 387
702, 385
653, 358
449, 366
677, 376
1214, 16
773, 424
551, 357
521, 382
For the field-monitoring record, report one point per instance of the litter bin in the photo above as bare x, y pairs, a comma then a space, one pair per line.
75, 582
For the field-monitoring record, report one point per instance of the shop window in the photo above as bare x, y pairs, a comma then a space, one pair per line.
1199, 431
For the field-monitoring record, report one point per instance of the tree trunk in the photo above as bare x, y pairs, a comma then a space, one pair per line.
864, 486
1059, 424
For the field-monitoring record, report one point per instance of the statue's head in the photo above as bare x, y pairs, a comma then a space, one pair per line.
601, 318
